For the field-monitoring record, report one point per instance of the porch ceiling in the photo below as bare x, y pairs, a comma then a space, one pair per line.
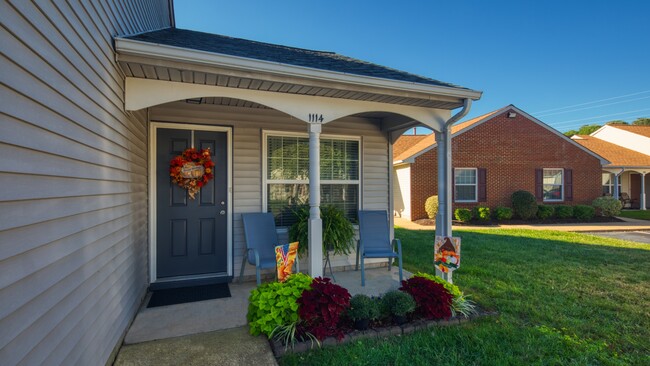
148, 68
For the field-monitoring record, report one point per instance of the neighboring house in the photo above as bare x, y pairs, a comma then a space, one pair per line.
98, 97
627, 148
495, 155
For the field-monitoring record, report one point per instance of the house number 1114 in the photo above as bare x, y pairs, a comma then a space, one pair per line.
315, 117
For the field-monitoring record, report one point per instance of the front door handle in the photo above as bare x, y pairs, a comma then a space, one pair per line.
222, 212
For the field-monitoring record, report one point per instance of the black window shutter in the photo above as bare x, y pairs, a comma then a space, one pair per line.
568, 184
453, 185
539, 184
482, 184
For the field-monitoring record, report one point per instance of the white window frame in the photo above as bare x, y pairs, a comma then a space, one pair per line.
561, 199
464, 184
613, 180
266, 181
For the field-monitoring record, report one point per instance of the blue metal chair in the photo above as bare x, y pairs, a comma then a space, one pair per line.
261, 240
374, 241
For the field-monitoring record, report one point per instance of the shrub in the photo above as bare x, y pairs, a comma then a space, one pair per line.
432, 300
321, 307
431, 206
274, 304
584, 212
398, 303
545, 211
482, 213
524, 204
503, 213
453, 289
607, 206
363, 307
563, 212
463, 214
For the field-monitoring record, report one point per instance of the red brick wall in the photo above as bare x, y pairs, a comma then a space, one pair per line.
510, 149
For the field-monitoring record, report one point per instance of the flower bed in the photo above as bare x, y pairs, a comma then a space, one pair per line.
304, 313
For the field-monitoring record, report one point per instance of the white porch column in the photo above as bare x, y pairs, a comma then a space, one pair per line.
443, 219
617, 177
315, 222
642, 202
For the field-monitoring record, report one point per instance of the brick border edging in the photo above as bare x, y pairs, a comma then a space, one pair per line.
280, 350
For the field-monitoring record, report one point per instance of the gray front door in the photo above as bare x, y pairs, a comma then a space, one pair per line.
191, 234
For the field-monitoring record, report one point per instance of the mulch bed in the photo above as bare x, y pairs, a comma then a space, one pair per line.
377, 332
596, 219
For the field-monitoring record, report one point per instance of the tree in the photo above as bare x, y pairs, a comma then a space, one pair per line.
617, 122
642, 122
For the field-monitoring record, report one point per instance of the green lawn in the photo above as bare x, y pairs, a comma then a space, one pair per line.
563, 298
641, 215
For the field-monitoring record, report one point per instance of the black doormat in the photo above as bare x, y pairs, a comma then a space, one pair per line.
183, 295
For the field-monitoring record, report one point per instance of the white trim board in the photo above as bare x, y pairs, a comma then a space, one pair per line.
153, 127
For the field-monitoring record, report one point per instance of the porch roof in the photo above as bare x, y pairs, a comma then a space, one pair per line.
618, 156
202, 58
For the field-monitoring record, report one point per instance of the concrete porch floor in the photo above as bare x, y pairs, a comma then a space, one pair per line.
220, 314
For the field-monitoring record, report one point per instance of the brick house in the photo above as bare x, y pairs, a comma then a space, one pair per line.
494, 155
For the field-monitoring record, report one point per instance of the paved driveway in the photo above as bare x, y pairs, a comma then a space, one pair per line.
638, 236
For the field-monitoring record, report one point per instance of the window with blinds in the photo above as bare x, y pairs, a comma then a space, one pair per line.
287, 175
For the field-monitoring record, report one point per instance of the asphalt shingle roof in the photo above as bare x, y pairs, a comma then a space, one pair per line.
322, 60
617, 155
639, 130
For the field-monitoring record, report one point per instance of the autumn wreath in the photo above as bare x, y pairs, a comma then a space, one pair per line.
192, 170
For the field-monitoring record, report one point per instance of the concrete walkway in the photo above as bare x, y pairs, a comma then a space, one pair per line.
625, 225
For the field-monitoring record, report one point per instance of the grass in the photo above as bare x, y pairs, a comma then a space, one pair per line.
640, 215
563, 298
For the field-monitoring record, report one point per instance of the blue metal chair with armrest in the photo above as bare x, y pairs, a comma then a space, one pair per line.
261, 240
374, 241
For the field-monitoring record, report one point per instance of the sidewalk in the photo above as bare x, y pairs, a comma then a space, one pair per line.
625, 225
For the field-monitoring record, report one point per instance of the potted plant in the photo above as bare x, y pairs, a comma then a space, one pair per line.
398, 304
362, 310
338, 232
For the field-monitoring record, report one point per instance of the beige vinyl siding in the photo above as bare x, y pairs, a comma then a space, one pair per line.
73, 208
248, 125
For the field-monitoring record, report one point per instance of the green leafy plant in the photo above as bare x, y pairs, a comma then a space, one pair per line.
363, 307
461, 305
398, 303
338, 232
584, 212
453, 289
463, 214
524, 204
545, 211
563, 211
431, 206
274, 304
607, 206
290, 334
482, 213
503, 213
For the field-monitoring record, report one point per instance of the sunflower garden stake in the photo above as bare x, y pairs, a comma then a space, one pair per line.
192, 170
446, 256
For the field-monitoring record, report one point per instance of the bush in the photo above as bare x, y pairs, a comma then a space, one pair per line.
321, 307
503, 213
524, 204
463, 214
453, 289
363, 307
432, 300
584, 212
482, 213
607, 206
460, 304
431, 206
398, 303
563, 212
545, 211
274, 304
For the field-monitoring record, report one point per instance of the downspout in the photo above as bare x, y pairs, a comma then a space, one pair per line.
444, 166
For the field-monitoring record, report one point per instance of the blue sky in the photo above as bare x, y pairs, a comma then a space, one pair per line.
567, 63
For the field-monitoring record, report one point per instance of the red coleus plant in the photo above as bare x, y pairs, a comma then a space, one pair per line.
321, 308
432, 299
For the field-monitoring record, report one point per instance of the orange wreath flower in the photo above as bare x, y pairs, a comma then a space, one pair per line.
192, 170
